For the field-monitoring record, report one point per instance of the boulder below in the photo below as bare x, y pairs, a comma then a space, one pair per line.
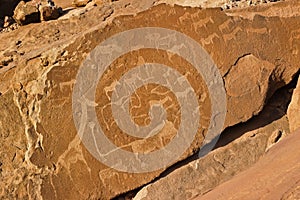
275, 176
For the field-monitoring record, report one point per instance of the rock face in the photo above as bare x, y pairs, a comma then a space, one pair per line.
32, 12
26, 13
275, 176
294, 109
48, 11
204, 174
43, 155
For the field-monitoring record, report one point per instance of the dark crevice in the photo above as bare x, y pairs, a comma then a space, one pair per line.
235, 63
279, 135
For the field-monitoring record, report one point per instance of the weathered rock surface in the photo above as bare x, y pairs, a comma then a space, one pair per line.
26, 13
8, 21
1, 23
275, 176
48, 11
64, 3
80, 3
204, 174
43, 156
36, 11
293, 112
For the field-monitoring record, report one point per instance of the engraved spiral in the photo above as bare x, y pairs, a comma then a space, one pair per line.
108, 98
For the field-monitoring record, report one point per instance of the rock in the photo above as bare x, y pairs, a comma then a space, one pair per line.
8, 21
80, 3
225, 4
294, 109
64, 3
51, 160
35, 11
204, 174
48, 11
275, 176
26, 13
100, 2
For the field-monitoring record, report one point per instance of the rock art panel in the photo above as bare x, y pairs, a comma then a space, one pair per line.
45, 64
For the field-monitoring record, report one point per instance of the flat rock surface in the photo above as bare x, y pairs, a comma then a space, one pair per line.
274, 176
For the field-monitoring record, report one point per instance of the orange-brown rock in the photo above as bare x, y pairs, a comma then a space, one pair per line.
64, 3
48, 10
275, 176
80, 3
26, 13
42, 155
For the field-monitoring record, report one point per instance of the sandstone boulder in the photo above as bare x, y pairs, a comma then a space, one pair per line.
48, 11
44, 156
275, 176
26, 13
36, 11
294, 109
